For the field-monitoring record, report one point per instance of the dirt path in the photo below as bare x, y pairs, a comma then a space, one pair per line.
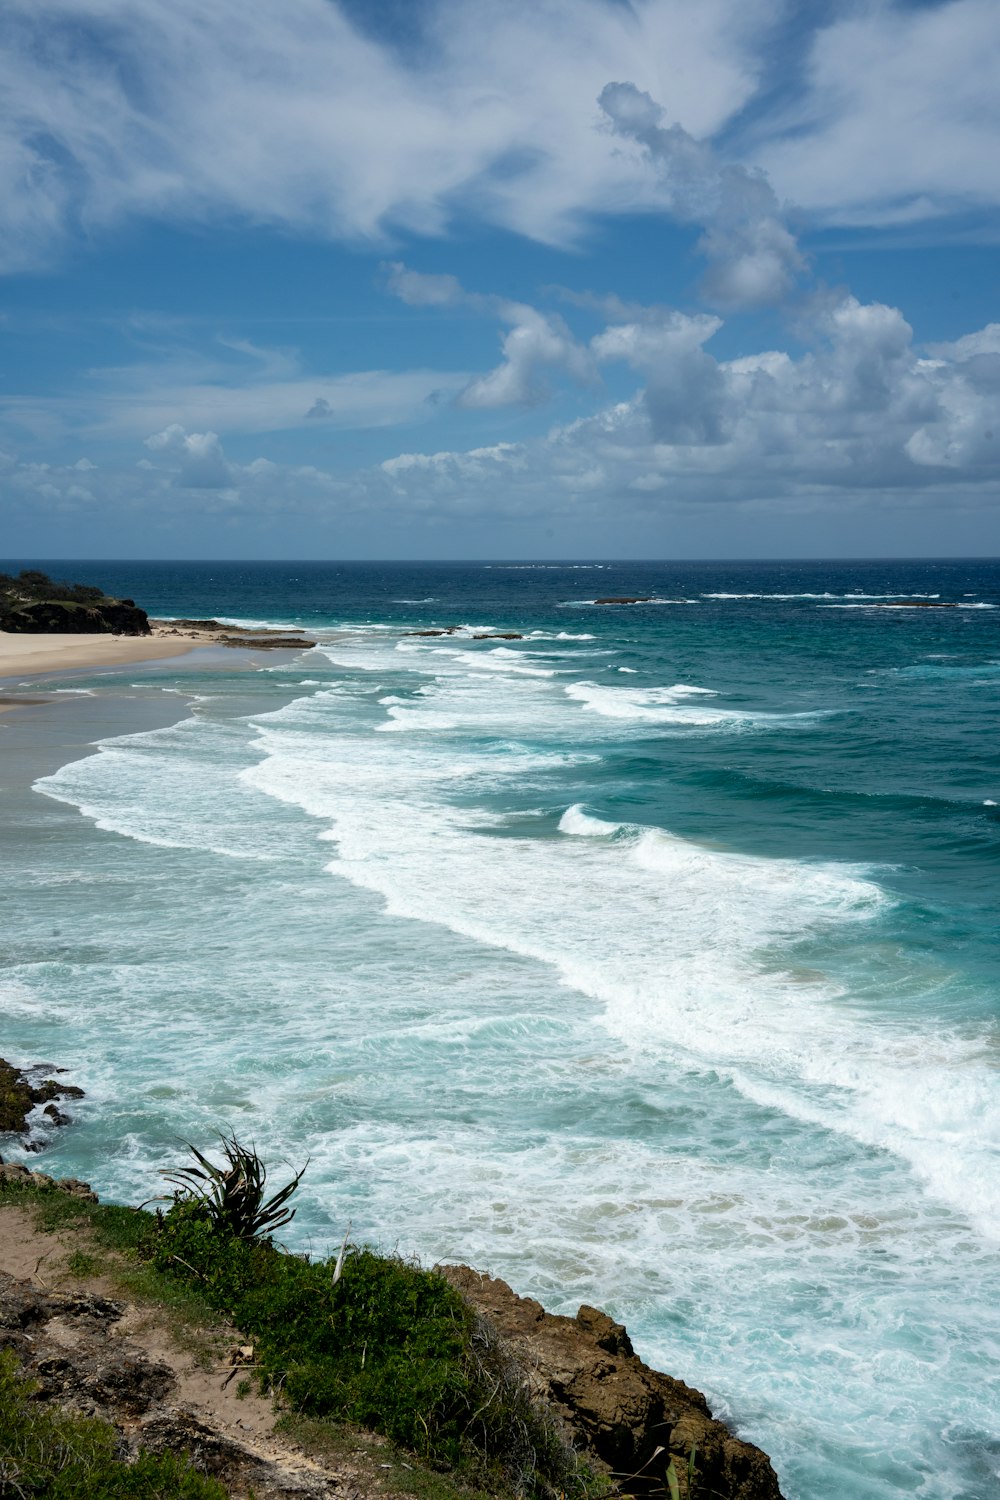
162, 1384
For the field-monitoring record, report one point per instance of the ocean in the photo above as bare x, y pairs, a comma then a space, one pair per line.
648, 959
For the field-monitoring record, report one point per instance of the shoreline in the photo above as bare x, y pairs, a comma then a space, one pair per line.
35, 655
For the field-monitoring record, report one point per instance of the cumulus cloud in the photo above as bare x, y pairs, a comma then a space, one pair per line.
685, 395
860, 418
753, 258
860, 414
537, 341
201, 463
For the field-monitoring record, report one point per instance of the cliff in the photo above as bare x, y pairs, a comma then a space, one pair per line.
626, 1418
450, 1365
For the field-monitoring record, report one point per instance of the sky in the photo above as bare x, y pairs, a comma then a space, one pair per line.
539, 278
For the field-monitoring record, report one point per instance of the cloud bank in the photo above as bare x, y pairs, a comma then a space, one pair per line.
291, 115
861, 415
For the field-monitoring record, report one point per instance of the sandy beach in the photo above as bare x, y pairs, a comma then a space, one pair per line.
26, 654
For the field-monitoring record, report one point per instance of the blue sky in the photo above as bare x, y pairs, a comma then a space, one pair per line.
448, 278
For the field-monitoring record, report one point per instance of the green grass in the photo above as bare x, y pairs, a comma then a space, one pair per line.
52, 1453
399, 1472
388, 1347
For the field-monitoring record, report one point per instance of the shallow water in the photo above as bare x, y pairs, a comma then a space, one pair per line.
648, 960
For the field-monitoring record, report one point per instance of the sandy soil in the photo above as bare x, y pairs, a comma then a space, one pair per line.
202, 1369
22, 655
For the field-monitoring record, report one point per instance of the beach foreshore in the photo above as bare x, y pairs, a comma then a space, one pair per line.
36, 653
22, 655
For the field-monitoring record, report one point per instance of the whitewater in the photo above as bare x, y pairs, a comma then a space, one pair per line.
646, 959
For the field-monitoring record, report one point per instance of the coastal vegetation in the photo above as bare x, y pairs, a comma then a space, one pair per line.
61, 1455
435, 1363
384, 1344
35, 603
366, 1338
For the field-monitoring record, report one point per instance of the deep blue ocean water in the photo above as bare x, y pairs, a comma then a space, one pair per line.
649, 959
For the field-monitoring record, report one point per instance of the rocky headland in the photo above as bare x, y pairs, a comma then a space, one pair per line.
35, 604
91, 1351
628, 1419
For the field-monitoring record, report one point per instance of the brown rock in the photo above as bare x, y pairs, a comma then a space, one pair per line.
499, 635
628, 1419
18, 1097
625, 599
266, 642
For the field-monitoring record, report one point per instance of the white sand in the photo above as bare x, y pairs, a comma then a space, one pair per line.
21, 654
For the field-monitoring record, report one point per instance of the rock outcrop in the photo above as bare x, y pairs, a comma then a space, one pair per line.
628, 1419
486, 635
266, 642
11, 1171
21, 1091
67, 617
214, 633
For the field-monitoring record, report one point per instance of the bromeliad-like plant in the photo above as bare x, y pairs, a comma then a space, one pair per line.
232, 1196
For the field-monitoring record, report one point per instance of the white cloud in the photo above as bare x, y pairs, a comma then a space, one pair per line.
287, 114
898, 116
861, 418
201, 462
535, 342
753, 259
984, 341
418, 289
290, 115
197, 389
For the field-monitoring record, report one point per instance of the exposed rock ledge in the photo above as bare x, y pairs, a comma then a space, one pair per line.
23, 1089
628, 1418
214, 633
76, 1347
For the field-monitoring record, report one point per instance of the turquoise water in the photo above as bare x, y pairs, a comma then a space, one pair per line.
648, 960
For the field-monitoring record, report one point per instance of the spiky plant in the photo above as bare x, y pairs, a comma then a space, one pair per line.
233, 1195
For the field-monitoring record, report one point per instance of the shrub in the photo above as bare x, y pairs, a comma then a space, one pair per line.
232, 1196
388, 1346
